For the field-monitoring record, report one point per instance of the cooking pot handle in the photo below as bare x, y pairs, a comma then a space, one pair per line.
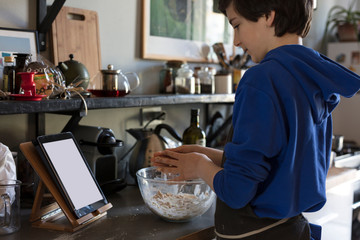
169, 129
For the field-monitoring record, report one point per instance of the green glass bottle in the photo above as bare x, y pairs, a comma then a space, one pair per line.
194, 134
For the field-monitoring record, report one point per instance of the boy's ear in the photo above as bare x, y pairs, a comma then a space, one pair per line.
270, 18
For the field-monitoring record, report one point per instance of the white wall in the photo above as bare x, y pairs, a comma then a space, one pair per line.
346, 118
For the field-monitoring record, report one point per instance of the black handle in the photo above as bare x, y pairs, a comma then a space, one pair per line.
118, 143
169, 129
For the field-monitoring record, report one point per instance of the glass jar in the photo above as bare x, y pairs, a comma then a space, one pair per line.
167, 76
175, 65
166, 80
185, 81
207, 80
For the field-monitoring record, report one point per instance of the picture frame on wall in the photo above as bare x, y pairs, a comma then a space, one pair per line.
184, 30
17, 41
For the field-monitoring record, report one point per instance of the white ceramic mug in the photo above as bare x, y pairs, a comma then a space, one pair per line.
223, 83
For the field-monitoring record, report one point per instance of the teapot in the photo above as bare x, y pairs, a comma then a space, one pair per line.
75, 72
116, 83
148, 142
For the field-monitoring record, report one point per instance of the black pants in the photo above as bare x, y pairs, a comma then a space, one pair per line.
230, 221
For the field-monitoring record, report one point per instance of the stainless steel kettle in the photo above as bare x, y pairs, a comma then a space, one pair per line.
148, 142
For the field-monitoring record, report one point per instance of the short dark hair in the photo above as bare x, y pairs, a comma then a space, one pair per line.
291, 16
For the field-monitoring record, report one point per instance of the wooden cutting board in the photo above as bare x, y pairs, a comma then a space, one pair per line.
76, 31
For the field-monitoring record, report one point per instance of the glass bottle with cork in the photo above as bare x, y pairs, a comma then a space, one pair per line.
9, 74
194, 134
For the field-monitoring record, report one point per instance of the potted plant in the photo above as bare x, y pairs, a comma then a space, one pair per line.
346, 20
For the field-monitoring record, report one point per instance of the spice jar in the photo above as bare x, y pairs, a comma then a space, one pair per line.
166, 80
206, 76
185, 81
175, 65
167, 76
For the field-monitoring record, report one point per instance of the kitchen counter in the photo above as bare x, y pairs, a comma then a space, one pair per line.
129, 218
337, 176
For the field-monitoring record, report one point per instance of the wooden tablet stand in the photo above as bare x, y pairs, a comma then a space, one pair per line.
51, 216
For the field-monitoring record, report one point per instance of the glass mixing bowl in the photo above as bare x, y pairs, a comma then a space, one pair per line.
174, 201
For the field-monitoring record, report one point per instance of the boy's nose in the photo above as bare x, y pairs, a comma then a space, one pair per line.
236, 43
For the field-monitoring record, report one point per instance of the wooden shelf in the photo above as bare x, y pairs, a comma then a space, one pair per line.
73, 105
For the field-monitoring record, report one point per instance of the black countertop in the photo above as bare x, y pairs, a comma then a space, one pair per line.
76, 104
129, 218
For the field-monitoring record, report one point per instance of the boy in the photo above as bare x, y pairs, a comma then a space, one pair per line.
274, 167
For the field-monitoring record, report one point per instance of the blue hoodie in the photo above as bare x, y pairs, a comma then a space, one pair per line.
279, 155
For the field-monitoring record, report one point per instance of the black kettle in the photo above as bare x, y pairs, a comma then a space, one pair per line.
75, 73
148, 142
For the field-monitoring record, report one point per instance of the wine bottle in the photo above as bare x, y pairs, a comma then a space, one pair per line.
194, 134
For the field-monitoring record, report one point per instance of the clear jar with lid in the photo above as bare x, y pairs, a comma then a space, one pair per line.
185, 81
207, 80
174, 65
167, 76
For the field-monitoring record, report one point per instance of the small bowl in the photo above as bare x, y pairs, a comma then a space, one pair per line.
174, 201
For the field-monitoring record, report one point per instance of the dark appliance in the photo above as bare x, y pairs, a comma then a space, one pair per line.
99, 146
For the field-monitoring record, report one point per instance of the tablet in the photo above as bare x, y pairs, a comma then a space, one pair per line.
71, 173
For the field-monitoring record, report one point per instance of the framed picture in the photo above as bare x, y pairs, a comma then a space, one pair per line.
345, 53
184, 30
16, 41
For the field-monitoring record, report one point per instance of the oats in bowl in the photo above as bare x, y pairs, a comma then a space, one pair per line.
175, 201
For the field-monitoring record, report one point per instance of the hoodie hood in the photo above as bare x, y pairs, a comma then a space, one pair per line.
322, 78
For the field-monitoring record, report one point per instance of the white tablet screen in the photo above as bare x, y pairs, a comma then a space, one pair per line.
73, 172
